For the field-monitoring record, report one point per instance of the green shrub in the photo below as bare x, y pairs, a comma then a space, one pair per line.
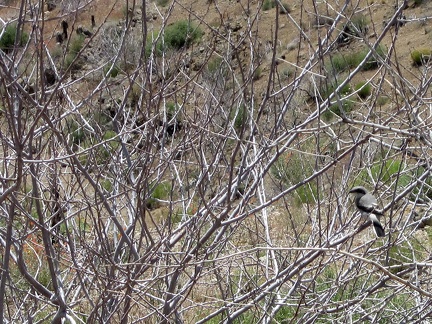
56, 53
285, 8
7, 40
257, 73
240, 116
181, 33
374, 60
171, 108
421, 56
285, 314
214, 64
287, 73
340, 62
395, 173
160, 192
71, 61
162, 3
111, 71
135, 95
107, 185
292, 168
384, 172
329, 87
176, 36
338, 108
76, 44
176, 216
216, 69
382, 100
422, 190
269, 4
359, 25
406, 252
363, 89
75, 131
105, 152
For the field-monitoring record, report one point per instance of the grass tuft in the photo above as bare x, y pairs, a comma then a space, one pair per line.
7, 40
176, 36
363, 89
421, 56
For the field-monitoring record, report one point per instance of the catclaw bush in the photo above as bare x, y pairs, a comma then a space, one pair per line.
421, 56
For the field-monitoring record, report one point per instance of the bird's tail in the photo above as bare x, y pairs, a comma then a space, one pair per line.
379, 229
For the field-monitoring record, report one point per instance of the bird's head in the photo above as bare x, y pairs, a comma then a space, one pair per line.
358, 190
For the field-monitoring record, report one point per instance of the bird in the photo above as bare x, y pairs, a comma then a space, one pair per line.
366, 204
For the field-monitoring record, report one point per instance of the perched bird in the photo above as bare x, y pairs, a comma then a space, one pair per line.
366, 204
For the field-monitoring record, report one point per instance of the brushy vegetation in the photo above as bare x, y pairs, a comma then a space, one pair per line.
257, 73
292, 168
111, 70
342, 62
214, 64
340, 107
329, 87
75, 131
386, 173
216, 70
363, 89
7, 40
75, 46
239, 116
395, 174
359, 25
162, 3
161, 191
106, 152
402, 254
175, 36
382, 100
269, 4
284, 8
421, 56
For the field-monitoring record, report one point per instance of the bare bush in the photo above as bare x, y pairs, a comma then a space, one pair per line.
208, 181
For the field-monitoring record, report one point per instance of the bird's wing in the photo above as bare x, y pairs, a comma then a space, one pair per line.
367, 203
